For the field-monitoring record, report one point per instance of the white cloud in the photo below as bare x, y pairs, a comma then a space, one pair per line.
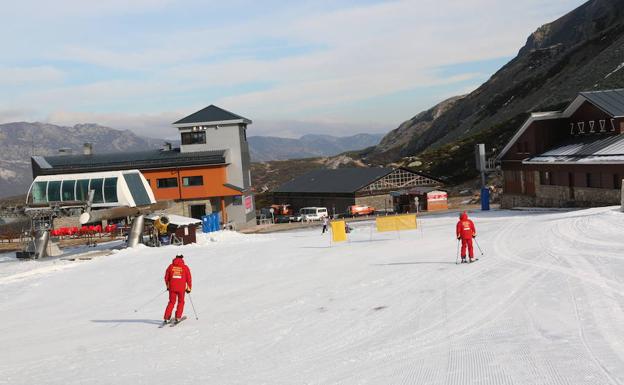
36, 9
355, 54
18, 76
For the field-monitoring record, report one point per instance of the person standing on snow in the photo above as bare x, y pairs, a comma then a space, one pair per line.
465, 230
325, 223
178, 281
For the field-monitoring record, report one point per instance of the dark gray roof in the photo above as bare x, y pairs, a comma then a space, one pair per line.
585, 150
50, 165
610, 101
211, 113
341, 180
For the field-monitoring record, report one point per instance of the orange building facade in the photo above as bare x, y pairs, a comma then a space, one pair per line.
190, 184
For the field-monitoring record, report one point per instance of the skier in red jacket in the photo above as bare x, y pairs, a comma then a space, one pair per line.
465, 230
178, 281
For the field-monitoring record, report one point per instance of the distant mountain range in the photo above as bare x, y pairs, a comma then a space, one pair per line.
19, 141
267, 148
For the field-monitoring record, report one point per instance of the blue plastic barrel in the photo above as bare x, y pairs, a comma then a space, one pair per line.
485, 198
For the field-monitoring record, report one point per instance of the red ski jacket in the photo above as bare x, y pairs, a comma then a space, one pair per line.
465, 228
178, 276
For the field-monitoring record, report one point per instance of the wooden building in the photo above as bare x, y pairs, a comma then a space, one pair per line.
568, 158
385, 189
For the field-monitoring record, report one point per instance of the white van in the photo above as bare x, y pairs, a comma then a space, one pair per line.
313, 213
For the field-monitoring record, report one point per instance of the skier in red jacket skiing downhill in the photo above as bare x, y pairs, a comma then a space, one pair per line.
465, 230
178, 281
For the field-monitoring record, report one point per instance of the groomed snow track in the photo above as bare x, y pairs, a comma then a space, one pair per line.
545, 305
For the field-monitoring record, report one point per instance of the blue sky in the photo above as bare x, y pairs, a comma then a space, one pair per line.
294, 68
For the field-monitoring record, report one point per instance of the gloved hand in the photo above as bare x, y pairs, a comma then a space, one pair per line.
474, 236
188, 291
458, 238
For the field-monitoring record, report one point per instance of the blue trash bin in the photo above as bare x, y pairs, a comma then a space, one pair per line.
485, 198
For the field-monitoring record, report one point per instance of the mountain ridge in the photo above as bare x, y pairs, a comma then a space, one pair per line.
580, 51
269, 148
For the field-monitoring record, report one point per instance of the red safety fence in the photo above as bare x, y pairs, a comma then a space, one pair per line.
83, 230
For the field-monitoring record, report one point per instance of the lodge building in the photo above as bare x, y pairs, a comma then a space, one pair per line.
209, 172
385, 189
569, 158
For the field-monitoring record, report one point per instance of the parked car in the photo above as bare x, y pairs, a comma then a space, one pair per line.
313, 213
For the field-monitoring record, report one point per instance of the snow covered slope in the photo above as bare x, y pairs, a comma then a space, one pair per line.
545, 305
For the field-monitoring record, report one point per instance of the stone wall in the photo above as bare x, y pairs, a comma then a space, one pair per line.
553, 196
509, 201
590, 197
564, 196
184, 207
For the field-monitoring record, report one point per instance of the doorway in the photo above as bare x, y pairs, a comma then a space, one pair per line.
197, 211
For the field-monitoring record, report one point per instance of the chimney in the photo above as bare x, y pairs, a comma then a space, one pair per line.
65, 151
87, 148
166, 146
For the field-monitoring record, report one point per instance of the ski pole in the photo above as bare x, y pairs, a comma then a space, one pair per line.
457, 255
193, 306
150, 301
475, 239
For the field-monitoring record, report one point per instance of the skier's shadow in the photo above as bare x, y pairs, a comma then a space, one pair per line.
133, 320
415, 263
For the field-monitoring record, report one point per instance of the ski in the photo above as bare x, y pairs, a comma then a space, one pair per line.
174, 323
467, 261
163, 324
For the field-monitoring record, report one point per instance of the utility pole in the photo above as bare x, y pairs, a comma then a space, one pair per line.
481, 167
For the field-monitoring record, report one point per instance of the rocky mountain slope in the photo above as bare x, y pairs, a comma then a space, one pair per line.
266, 148
19, 141
581, 51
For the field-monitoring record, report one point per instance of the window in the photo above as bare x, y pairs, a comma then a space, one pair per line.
193, 181
167, 182
82, 189
38, 192
68, 190
237, 200
194, 137
110, 190
54, 191
546, 178
96, 184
